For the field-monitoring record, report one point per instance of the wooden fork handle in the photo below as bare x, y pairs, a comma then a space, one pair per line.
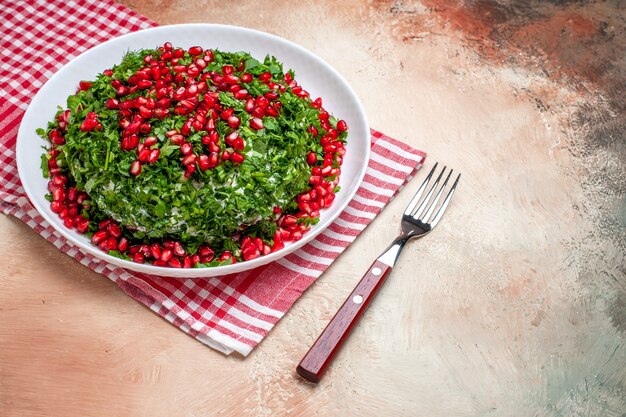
321, 354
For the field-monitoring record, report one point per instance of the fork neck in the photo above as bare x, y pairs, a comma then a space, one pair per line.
390, 255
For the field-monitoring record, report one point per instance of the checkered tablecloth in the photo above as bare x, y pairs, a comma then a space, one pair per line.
230, 313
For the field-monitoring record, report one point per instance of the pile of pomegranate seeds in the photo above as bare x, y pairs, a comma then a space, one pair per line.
192, 158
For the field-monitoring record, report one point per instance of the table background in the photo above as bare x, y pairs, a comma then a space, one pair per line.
514, 306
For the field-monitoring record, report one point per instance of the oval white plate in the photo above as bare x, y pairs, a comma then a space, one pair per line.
315, 75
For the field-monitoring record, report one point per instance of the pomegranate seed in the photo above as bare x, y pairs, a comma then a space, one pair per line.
114, 230
238, 144
186, 148
135, 168
99, 236
121, 90
58, 194
195, 258
134, 249
205, 251
225, 156
154, 155
249, 106
88, 125
56, 206
177, 139
155, 251
150, 140
313, 131
227, 113
246, 78
256, 123
270, 111
68, 222
265, 77
130, 142
82, 224
342, 126
234, 122
189, 159
228, 69
203, 162
59, 180
143, 155
214, 159
107, 72
122, 245
159, 262
289, 220
178, 249
195, 50
84, 85
250, 252
241, 94
112, 103
262, 102
166, 254
311, 158
175, 263
139, 258
315, 179
272, 95
277, 210
187, 262
237, 158
258, 112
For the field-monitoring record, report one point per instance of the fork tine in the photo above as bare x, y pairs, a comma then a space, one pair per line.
418, 194
445, 203
422, 206
433, 204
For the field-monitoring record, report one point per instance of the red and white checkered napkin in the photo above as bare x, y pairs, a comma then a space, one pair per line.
230, 313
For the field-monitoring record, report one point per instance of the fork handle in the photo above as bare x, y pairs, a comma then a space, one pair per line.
321, 354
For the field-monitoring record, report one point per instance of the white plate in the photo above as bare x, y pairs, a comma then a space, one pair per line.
315, 75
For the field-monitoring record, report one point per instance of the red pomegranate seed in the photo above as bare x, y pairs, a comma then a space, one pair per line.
256, 123
154, 155
58, 194
228, 69
237, 158
189, 159
272, 95
258, 112
107, 72
122, 245
175, 263
246, 78
99, 236
186, 148
178, 249
203, 162
271, 111
177, 139
249, 106
314, 180
82, 224
84, 85
150, 140
139, 258
56, 206
166, 254
225, 156
265, 77
195, 50
342, 126
143, 155
59, 180
135, 168
262, 102
238, 144
114, 230
155, 251
88, 125
112, 103
234, 121
226, 113
241, 94
129, 142
277, 210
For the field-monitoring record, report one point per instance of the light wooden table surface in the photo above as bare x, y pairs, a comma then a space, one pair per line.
514, 306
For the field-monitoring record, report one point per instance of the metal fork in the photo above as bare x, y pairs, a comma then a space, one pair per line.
417, 221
